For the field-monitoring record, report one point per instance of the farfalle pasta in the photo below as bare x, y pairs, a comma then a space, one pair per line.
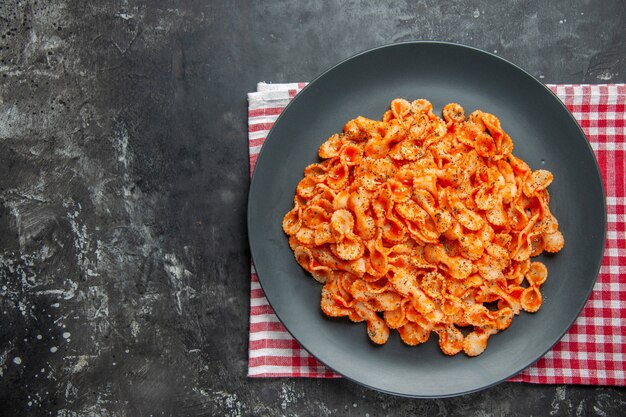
424, 224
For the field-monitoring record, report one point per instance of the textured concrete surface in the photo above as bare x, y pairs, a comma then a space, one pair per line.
123, 182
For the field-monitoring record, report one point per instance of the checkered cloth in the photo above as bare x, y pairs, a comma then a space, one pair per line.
594, 349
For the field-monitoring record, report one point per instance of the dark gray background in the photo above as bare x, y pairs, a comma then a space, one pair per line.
124, 176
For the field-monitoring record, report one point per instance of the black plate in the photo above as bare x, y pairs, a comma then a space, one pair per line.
545, 136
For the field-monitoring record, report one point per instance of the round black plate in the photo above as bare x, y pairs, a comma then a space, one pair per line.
545, 136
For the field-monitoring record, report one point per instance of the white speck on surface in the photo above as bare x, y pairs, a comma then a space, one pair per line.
476, 13
121, 145
80, 363
230, 404
54, 349
559, 396
125, 16
39, 337
56, 305
354, 405
288, 395
97, 410
85, 248
99, 306
605, 75
542, 76
134, 329
561, 22
70, 390
66, 335
599, 411
17, 360
495, 51
179, 279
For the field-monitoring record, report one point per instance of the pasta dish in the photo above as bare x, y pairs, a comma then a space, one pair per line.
424, 224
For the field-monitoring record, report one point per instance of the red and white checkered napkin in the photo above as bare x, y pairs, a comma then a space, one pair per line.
594, 349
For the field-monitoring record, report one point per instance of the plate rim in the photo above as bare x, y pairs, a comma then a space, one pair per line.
598, 175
